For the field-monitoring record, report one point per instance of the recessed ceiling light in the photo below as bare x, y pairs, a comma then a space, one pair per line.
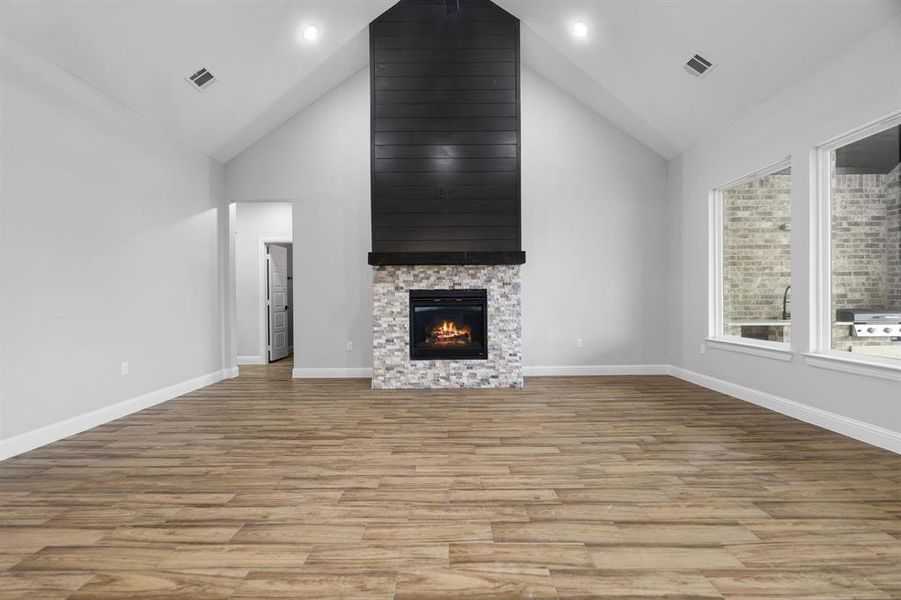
580, 29
310, 33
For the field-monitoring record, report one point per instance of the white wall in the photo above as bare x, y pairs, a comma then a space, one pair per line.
255, 222
858, 86
109, 251
593, 229
594, 232
320, 159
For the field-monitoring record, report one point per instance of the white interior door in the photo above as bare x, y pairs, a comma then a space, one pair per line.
277, 298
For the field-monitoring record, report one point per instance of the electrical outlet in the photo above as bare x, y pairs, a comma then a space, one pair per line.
125, 368
579, 343
703, 348
350, 346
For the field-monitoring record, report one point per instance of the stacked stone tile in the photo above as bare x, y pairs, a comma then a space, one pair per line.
392, 367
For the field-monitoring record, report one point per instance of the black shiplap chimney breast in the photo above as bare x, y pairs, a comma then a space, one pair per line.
445, 123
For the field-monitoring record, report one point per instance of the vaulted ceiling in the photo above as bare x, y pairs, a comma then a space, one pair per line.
140, 51
628, 68
636, 48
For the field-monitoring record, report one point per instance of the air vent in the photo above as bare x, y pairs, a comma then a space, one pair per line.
201, 80
698, 66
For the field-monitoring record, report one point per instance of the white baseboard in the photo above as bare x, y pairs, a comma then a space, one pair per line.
585, 370
342, 373
252, 360
566, 370
232, 372
865, 432
63, 429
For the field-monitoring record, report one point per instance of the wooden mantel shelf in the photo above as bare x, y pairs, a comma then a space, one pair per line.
503, 257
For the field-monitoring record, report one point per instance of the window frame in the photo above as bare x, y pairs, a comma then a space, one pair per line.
821, 353
715, 336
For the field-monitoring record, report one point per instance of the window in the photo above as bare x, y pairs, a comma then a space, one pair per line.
752, 258
859, 207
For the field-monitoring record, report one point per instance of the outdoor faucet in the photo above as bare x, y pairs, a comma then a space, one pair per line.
786, 313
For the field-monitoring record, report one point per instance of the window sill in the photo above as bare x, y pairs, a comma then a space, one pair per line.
872, 367
773, 350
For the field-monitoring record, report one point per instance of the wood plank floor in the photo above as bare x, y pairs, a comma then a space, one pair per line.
616, 487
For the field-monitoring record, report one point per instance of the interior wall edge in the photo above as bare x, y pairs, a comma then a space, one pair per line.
47, 434
332, 373
853, 428
251, 360
594, 370
847, 426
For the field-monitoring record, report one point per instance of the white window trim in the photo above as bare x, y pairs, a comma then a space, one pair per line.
822, 355
775, 350
715, 336
857, 364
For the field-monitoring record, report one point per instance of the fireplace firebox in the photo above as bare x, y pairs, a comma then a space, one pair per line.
448, 324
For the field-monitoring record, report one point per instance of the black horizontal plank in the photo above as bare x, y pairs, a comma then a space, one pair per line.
445, 127
442, 27
444, 165
447, 69
445, 97
440, 232
445, 219
406, 197
394, 138
433, 55
437, 12
444, 245
446, 39
448, 124
447, 151
431, 205
445, 110
447, 179
445, 83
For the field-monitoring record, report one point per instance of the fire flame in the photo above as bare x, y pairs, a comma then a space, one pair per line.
450, 333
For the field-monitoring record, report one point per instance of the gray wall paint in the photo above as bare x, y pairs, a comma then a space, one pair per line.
320, 159
110, 250
803, 116
594, 232
593, 229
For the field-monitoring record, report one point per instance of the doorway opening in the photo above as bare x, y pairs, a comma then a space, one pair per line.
264, 283
279, 315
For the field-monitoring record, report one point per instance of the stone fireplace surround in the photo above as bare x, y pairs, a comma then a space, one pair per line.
392, 367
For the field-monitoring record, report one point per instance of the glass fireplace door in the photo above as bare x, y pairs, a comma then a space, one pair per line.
448, 324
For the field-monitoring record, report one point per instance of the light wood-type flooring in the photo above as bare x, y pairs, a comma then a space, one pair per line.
607, 487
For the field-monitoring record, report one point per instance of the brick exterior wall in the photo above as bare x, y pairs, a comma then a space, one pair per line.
893, 239
866, 248
866, 251
858, 241
756, 253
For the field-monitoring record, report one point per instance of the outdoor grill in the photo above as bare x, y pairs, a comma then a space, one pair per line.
871, 322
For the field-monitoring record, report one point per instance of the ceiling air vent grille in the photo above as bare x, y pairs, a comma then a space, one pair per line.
698, 66
201, 80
